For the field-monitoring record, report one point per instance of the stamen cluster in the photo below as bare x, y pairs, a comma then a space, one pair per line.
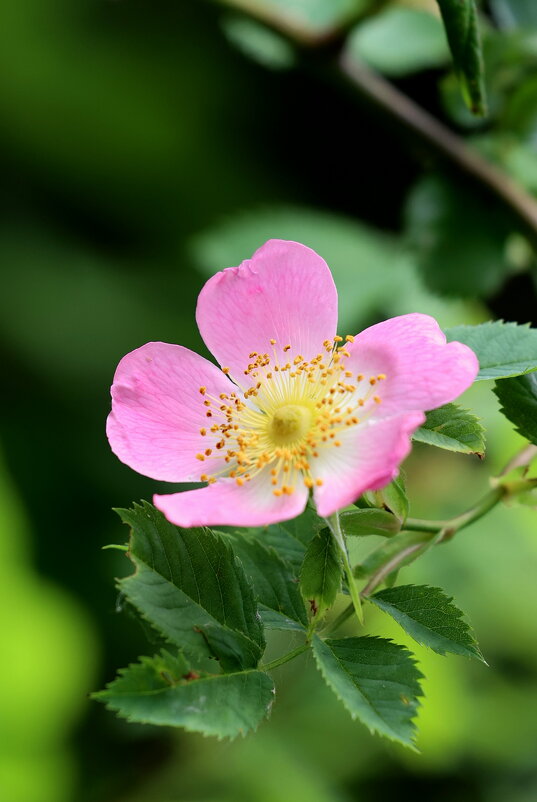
283, 420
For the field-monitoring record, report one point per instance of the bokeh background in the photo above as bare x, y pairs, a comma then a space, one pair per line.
143, 146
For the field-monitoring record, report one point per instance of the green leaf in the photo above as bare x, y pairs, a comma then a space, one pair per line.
361, 522
399, 41
462, 29
290, 538
376, 680
191, 587
453, 428
307, 20
430, 617
515, 13
275, 584
393, 497
163, 690
404, 545
320, 575
518, 400
503, 349
259, 43
456, 237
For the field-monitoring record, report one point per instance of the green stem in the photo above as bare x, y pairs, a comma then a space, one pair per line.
451, 525
285, 658
335, 528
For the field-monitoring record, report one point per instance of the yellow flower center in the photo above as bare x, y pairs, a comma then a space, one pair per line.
289, 424
289, 415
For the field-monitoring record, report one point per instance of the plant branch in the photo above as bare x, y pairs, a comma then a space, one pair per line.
445, 142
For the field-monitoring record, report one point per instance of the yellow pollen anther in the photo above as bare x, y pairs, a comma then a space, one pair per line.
203, 390
203, 432
376, 399
204, 477
319, 482
225, 370
286, 348
338, 339
349, 338
208, 452
201, 457
239, 481
381, 376
273, 342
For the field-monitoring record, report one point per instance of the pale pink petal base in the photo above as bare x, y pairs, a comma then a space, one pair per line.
284, 292
422, 370
368, 459
224, 503
158, 411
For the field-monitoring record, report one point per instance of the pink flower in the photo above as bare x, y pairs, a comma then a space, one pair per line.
293, 409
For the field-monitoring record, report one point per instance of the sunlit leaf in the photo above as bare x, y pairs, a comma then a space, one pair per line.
376, 680
503, 349
454, 429
430, 617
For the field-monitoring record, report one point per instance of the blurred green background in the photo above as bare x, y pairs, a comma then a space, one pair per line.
145, 145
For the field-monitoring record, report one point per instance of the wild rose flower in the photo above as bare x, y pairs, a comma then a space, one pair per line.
294, 408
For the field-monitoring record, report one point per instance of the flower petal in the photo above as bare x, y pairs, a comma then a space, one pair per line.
422, 370
224, 503
158, 411
367, 459
284, 292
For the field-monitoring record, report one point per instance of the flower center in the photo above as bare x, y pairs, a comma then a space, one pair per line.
290, 424
282, 424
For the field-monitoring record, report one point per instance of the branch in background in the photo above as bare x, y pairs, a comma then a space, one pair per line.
443, 141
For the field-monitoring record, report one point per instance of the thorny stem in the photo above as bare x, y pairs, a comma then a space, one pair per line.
285, 658
335, 527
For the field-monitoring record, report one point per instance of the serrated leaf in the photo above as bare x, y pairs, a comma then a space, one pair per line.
376, 680
518, 400
190, 586
399, 41
163, 690
454, 429
275, 584
320, 575
462, 29
430, 617
503, 349
373, 521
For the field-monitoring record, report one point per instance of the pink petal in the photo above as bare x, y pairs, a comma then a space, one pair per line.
224, 503
368, 458
422, 371
284, 292
158, 411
